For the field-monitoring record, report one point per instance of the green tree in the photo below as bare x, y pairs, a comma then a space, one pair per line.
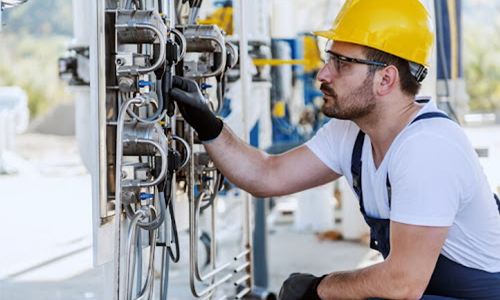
31, 63
31, 42
481, 61
40, 18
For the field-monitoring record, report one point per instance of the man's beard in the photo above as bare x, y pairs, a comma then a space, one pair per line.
357, 104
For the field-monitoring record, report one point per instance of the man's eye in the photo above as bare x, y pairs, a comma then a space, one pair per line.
340, 63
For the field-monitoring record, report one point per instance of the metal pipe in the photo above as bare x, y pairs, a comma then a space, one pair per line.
193, 250
118, 188
220, 298
241, 267
98, 108
234, 50
149, 284
212, 242
209, 288
131, 240
241, 280
186, 146
247, 227
161, 57
222, 64
163, 171
241, 294
242, 254
183, 42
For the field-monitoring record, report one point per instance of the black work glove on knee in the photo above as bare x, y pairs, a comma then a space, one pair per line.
194, 109
300, 286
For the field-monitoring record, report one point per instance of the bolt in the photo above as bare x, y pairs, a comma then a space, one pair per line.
126, 84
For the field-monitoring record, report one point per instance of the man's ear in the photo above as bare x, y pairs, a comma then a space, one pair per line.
388, 77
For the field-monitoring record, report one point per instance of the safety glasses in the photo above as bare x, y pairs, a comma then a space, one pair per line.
343, 65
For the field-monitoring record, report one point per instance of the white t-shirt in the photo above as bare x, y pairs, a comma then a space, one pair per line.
436, 180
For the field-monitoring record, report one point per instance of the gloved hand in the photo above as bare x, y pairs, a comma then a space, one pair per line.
300, 286
194, 109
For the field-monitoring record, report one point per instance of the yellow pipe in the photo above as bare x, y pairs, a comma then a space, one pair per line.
278, 62
452, 13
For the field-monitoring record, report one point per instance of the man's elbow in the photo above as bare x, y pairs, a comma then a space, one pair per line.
413, 294
263, 194
409, 290
267, 193
259, 194
405, 284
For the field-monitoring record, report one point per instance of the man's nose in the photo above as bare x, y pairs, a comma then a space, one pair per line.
324, 75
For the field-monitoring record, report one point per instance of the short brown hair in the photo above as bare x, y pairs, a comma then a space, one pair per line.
409, 85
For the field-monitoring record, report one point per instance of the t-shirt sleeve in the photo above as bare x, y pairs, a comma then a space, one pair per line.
426, 179
326, 144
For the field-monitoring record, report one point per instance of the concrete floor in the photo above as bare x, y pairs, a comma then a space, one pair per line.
46, 235
45, 226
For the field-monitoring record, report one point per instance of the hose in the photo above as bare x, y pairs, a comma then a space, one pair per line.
214, 194
165, 273
175, 237
157, 116
154, 224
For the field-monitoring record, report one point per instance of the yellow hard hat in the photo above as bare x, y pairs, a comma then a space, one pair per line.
399, 27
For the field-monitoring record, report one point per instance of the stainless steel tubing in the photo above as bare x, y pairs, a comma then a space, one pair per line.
183, 42
186, 146
208, 288
234, 50
241, 267
242, 254
193, 232
161, 57
193, 252
220, 298
212, 246
211, 273
143, 212
199, 39
241, 294
245, 78
155, 121
131, 240
118, 189
163, 171
222, 64
147, 291
241, 280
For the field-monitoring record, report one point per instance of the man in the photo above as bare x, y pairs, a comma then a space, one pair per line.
421, 188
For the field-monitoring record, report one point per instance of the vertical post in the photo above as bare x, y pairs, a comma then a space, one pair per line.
261, 276
244, 73
97, 51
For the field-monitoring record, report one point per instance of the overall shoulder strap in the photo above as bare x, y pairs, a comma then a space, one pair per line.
356, 159
429, 115
356, 168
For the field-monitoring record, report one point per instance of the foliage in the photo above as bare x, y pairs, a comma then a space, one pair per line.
31, 41
40, 18
482, 68
31, 63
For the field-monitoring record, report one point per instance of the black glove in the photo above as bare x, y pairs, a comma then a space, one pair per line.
194, 109
300, 286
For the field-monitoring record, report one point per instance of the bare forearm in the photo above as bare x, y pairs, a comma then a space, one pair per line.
242, 164
373, 281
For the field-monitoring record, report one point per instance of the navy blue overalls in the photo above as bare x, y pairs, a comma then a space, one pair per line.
450, 280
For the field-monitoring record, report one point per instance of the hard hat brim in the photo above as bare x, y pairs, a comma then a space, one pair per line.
328, 34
